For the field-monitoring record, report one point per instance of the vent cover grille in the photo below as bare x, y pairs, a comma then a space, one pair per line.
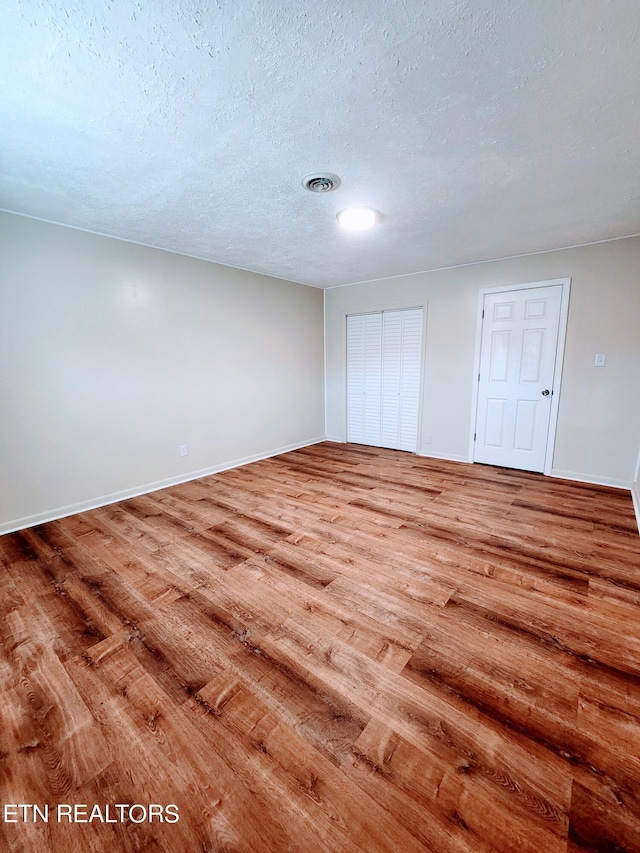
321, 182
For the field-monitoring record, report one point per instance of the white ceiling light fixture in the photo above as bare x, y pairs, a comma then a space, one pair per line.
356, 219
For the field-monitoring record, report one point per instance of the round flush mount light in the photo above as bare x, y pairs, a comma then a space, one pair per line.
321, 182
358, 218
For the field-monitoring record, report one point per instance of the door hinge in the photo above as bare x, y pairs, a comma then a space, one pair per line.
478, 377
474, 436
483, 313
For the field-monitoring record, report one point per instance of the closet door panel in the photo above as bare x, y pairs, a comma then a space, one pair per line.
384, 353
391, 377
372, 378
411, 359
355, 378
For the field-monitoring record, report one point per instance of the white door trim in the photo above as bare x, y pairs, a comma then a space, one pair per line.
562, 332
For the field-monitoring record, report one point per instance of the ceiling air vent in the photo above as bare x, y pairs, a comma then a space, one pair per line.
321, 183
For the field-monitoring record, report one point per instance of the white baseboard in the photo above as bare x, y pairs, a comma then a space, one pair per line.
448, 457
588, 478
337, 439
104, 500
635, 495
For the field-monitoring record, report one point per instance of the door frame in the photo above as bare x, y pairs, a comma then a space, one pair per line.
557, 371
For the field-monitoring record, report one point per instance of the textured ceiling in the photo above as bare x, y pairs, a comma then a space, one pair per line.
480, 129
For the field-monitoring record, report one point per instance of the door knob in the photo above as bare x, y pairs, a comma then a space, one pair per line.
545, 393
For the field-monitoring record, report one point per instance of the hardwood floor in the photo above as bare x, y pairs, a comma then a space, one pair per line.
339, 649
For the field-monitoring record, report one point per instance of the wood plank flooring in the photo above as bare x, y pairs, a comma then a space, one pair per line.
339, 649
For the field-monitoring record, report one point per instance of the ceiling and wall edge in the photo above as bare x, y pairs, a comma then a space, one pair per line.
486, 261
306, 283
152, 246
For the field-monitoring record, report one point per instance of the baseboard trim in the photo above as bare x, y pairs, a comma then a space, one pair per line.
448, 457
635, 496
95, 503
588, 478
337, 439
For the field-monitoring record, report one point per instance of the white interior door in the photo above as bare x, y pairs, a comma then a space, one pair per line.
515, 386
383, 378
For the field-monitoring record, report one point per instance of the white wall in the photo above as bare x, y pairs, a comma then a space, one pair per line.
113, 354
599, 408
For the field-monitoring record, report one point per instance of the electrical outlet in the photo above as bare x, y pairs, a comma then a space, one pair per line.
184, 450
427, 439
601, 359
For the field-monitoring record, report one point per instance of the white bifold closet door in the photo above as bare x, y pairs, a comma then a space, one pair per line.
383, 378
